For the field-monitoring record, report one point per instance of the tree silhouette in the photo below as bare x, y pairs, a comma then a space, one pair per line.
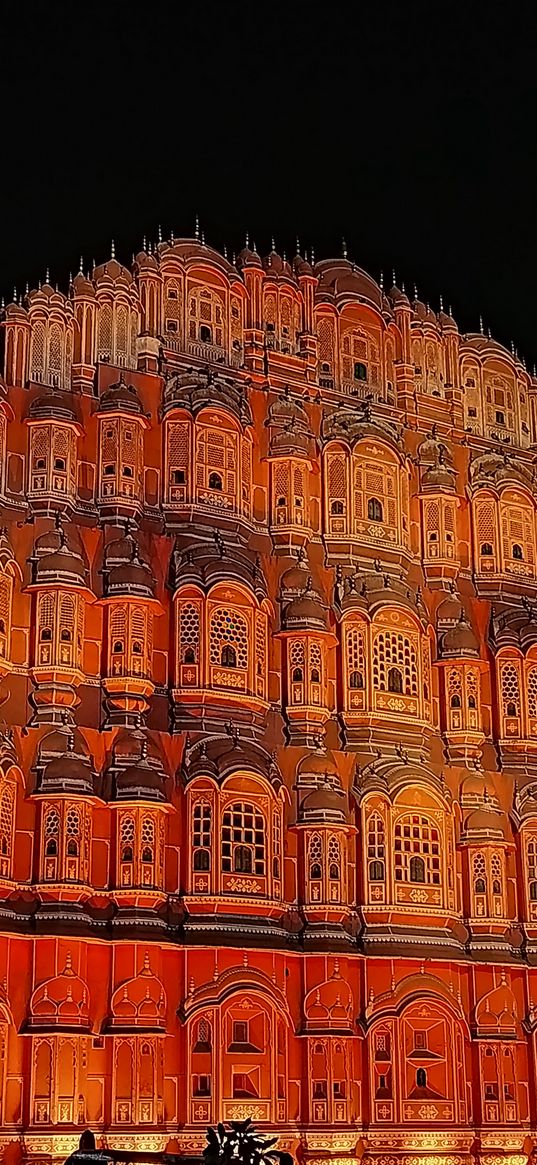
241, 1144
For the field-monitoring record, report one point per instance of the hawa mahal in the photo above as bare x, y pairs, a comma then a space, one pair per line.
268, 747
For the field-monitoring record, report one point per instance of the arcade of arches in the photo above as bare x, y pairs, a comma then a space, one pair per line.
268, 747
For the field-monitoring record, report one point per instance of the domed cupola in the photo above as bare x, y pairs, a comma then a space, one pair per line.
324, 804
324, 838
294, 579
460, 641
129, 576
306, 611
63, 766
50, 405
248, 257
137, 771
449, 610
121, 397
56, 561
195, 390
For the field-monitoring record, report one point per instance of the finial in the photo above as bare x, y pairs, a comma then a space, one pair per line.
203, 238
112, 250
147, 965
172, 237
394, 283
481, 325
144, 243
312, 258
15, 294
381, 281
450, 312
441, 303
254, 247
403, 287
344, 248
27, 288
197, 228
415, 292
247, 241
47, 275
234, 258
512, 347
225, 251
489, 333
2, 303
297, 245
272, 244
160, 233
81, 267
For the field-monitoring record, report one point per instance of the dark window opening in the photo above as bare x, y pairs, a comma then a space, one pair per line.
52, 848
375, 512
315, 676
126, 855
511, 709
455, 701
178, 477
137, 648
206, 335
360, 372
500, 417
486, 549
356, 679
334, 872
228, 656
517, 552
315, 872
421, 1078
59, 463
109, 470
127, 471
337, 508
46, 634
297, 675
147, 855
202, 859
189, 655
215, 481
72, 848
242, 860
417, 870
395, 680
41, 463
118, 647
376, 871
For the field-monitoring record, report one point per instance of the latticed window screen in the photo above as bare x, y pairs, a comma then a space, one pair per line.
496, 870
201, 828
7, 819
55, 352
38, 351
417, 850
485, 529
315, 857
104, 334
518, 532
510, 688
261, 644
327, 346
334, 859
228, 629
205, 317
337, 483
392, 649
315, 663
479, 868
122, 342
531, 860
377, 483
172, 306
6, 593
148, 839
127, 839
178, 451
355, 655
243, 839
531, 682
354, 350
276, 844
217, 462
246, 463
189, 632
376, 848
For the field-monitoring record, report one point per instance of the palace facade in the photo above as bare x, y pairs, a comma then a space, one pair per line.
268, 750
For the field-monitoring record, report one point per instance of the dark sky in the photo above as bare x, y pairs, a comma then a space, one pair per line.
408, 128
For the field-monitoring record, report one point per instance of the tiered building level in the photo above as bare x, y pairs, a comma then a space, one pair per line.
268, 648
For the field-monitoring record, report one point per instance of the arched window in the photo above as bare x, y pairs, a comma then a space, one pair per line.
480, 887
395, 680
356, 680
375, 511
417, 845
337, 508
421, 1078
517, 552
243, 839
202, 859
376, 871
455, 701
315, 858
360, 371
127, 840
417, 869
486, 549
531, 858
228, 656
242, 859
314, 676
215, 481
189, 655
201, 835
297, 675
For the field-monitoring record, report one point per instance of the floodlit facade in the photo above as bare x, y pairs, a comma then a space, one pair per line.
268, 767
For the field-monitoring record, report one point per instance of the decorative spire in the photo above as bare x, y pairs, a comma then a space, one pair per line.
415, 291
312, 258
247, 241
144, 243
272, 244
297, 245
47, 275
172, 237
197, 228
160, 233
394, 283
203, 238
381, 281
112, 250
481, 331
225, 251
344, 248
441, 303
81, 267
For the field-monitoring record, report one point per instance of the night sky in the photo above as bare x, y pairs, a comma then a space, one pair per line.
408, 128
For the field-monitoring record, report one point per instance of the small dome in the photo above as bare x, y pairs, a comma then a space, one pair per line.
301, 266
140, 777
306, 610
447, 322
419, 310
398, 297
484, 822
51, 405
273, 263
55, 559
325, 803
67, 774
146, 262
248, 258
460, 640
438, 477
125, 572
121, 397
317, 766
449, 610
294, 580
83, 286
